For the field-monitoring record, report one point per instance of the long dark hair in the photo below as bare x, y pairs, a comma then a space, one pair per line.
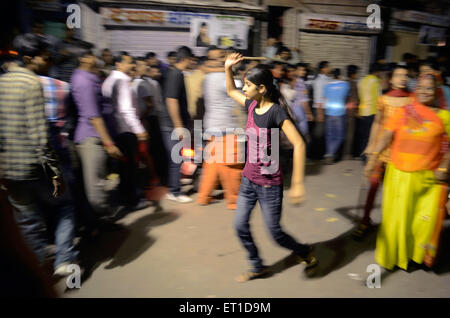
261, 75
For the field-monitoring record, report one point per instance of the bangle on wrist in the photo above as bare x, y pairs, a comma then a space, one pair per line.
442, 169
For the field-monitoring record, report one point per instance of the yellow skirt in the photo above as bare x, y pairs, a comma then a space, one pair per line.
411, 211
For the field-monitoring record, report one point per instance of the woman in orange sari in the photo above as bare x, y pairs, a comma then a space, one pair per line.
414, 192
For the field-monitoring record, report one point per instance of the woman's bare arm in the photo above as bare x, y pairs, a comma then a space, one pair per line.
297, 192
232, 91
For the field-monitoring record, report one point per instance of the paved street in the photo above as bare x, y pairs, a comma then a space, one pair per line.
192, 251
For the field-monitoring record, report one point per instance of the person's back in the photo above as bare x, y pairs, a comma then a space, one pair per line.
80, 83
174, 87
336, 93
22, 108
368, 90
218, 105
156, 97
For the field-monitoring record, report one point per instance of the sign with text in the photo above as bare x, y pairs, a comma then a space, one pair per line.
160, 18
335, 23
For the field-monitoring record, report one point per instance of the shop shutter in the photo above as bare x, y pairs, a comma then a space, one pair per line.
139, 42
339, 50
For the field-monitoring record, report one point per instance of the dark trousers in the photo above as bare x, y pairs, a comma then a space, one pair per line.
127, 143
35, 209
316, 149
270, 199
350, 135
363, 126
157, 149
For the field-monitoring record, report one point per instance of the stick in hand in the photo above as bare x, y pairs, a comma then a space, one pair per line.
258, 58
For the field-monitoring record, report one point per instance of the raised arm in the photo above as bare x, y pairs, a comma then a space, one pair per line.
232, 91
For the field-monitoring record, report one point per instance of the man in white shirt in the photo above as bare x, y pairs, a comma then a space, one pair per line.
118, 88
319, 84
143, 94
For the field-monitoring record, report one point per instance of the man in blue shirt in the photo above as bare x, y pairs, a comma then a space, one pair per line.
335, 94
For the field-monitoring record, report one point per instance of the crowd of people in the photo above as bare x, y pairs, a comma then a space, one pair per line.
86, 139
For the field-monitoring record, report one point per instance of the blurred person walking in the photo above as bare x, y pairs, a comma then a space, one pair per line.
335, 95
322, 79
157, 148
29, 168
220, 116
175, 115
300, 104
387, 105
143, 93
415, 189
117, 87
369, 90
94, 142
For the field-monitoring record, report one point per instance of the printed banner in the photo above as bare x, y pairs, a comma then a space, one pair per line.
429, 35
222, 31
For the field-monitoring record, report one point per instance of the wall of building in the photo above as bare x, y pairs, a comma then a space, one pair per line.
92, 29
406, 42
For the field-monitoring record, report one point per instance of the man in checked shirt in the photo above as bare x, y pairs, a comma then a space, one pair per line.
29, 168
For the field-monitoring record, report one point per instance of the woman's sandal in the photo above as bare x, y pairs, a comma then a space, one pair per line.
361, 231
310, 260
245, 277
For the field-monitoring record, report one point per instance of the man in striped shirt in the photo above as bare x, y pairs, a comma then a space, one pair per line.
29, 168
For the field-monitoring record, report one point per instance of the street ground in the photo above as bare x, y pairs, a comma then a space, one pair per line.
187, 250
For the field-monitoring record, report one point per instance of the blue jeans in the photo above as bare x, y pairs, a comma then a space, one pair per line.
270, 199
31, 201
174, 174
335, 133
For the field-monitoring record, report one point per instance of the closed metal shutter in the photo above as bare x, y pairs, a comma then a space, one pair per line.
339, 50
140, 42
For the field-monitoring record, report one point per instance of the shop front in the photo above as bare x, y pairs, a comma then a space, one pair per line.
163, 28
341, 40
